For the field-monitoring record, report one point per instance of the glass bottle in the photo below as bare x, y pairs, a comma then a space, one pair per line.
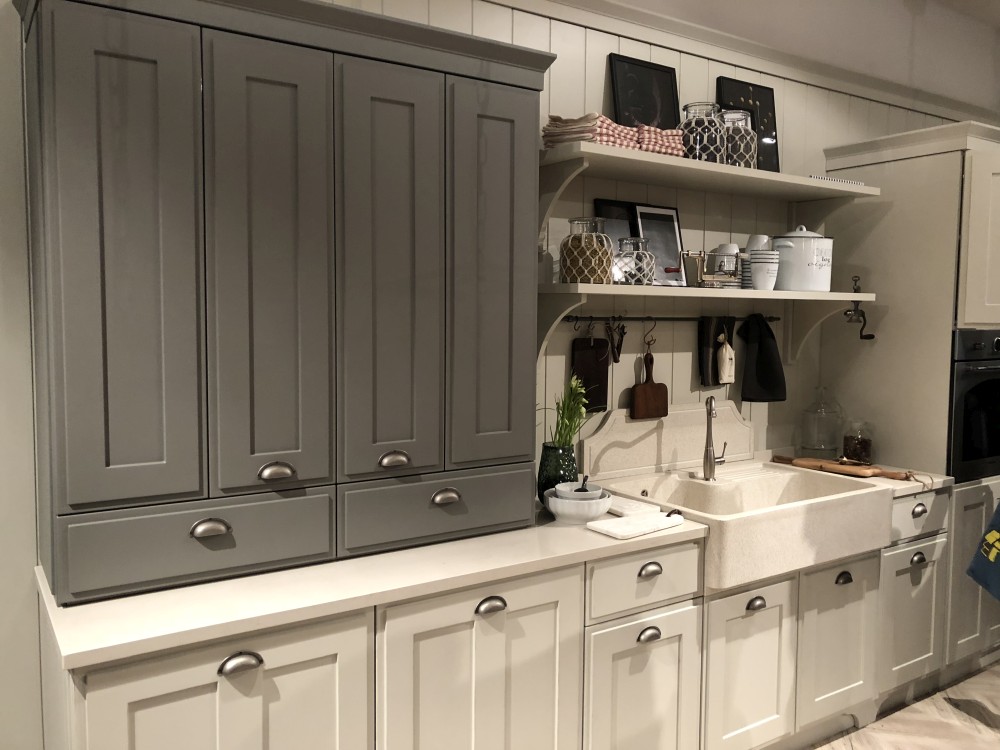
821, 426
741, 141
633, 263
585, 253
858, 441
703, 133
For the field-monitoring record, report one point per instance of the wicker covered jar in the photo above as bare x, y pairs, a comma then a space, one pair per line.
585, 253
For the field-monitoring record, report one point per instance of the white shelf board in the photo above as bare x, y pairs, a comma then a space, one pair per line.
629, 290
673, 171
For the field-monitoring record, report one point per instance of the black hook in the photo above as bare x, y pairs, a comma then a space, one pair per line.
647, 337
856, 314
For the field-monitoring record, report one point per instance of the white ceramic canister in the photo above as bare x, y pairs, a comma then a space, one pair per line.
805, 261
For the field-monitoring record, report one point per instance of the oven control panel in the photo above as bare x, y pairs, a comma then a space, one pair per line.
969, 344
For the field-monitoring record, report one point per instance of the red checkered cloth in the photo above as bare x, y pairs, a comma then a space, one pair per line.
659, 141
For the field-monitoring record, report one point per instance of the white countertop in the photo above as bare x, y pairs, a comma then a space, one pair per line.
102, 632
922, 482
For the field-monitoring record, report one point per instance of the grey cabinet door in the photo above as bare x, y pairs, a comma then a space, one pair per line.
269, 246
493, 186
123, 260
390, 267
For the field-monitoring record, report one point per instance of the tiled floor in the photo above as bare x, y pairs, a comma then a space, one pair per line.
965, 716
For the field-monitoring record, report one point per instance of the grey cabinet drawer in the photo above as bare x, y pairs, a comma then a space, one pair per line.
388, 514
120, 552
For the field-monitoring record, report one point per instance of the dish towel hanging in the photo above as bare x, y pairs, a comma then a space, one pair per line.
985, 566
710, 327
763, 375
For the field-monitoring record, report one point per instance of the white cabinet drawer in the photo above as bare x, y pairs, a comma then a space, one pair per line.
642, 579
919, 515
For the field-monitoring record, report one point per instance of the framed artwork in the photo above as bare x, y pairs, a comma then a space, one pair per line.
620, 219
759, 102
662, 227
644, 93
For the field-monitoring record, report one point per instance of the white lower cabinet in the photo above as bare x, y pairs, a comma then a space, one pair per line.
643, 681
973, 615
750, 667
912, 593
838, 623
308, 686
494, 667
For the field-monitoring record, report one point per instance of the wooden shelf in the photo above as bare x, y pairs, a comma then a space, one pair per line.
628, 290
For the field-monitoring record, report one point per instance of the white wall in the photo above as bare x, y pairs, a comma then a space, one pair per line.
20, 710
810, 117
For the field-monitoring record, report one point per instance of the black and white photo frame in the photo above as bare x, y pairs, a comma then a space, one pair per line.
759, 102
662, 227
643, 93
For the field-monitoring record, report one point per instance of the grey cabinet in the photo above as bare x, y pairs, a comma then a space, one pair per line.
118, 287
269, 248
390, 268
492, 176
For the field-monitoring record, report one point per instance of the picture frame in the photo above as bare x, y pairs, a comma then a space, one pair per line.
643, 93
662, 227
759, 102
620, 218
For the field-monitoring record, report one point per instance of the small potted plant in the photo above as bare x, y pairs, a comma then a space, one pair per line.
558, 461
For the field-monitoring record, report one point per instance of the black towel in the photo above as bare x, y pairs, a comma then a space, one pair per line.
709, 328
591, 359
763, 375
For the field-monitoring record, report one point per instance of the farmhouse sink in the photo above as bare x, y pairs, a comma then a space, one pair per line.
768, 519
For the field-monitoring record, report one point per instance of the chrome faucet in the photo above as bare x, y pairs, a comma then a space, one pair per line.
709, 462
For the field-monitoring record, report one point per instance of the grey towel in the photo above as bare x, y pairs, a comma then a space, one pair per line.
763, 375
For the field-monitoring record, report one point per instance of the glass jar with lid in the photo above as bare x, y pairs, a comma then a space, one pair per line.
585, 253
741, 140
858, 441
633, 263
703, 132
822, 424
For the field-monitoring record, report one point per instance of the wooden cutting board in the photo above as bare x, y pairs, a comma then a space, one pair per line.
649, 399
833, 467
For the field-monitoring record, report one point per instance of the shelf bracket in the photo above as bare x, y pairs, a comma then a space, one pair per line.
552, 180
551, 310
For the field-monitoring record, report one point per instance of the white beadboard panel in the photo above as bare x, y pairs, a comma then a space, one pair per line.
878, 119
528, 30
897, 120
634, 48
597, 88
716, 69
692, 81
691, 215
914, 120
491, 21
745, 74
684, 386
668, 57
819, 130
857, 125
372, 6
838, 125
567, 95
633, 192
718, 219
772, 217
408, 10
743, 219
455, 15
792, 135
597, 187
658, 195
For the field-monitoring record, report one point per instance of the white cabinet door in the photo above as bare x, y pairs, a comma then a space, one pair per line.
644, 681
991, 606
911, 611
314, 689
838, 631
750, 668
972, 507
495, 667
979, 264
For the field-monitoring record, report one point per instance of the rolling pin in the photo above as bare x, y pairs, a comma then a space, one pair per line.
833, 467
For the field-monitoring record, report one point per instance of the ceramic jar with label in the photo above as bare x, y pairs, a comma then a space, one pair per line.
585, 254
703, 133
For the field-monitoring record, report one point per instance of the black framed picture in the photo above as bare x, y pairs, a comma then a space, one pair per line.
759, 102
662, 227
644, 93
620, 218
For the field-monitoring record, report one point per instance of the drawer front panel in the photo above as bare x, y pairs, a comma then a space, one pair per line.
387, 514
122, 551
909, 518
630, 582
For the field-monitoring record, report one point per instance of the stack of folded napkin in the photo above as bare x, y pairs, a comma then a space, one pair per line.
597, 128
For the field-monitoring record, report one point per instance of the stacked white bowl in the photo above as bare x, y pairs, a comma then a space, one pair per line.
746, 280
763, 263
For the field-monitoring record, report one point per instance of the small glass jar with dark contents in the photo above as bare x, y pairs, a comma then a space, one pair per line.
703, 133
858, 442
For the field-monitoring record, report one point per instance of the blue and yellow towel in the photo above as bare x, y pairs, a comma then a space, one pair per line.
985, 565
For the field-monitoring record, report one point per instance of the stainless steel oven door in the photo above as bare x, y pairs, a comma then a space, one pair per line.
974, 439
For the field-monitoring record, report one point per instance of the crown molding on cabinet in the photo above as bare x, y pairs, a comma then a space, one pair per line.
953, 137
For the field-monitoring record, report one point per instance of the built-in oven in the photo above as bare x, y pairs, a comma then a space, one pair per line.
974, 424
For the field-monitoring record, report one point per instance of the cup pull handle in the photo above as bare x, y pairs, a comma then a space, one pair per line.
241, 661
394, 459
650, 570
919, 510
757, 603
648, 635
491, 604
918, 558
675, 512
447, 496
208, 527
276, 470
844, 578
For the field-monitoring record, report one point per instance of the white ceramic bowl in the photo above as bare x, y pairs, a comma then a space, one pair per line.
568, 491
577, 511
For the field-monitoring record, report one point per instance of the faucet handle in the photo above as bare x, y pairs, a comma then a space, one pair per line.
722, 458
